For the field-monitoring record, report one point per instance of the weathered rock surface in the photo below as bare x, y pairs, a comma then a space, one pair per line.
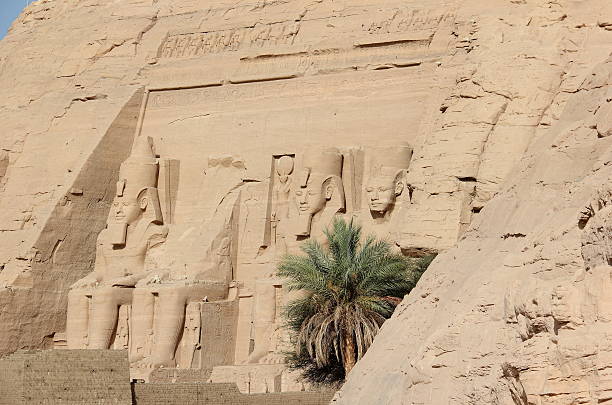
519, 311
505, 104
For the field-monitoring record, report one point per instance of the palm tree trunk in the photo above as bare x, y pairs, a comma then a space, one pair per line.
349, 352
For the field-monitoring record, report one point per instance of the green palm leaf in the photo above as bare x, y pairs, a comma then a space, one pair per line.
349, 286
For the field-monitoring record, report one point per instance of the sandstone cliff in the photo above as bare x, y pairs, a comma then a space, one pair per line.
519, 311
506, 104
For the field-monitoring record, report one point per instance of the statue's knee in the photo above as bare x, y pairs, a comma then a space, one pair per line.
104, 294
173, 297
142, 293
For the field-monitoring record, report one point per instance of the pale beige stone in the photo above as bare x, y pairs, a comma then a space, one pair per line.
319, 192
505, 105
516, 313
135, 226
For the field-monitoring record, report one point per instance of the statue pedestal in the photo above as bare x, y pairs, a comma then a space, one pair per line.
258, 378
140, 374
170, 375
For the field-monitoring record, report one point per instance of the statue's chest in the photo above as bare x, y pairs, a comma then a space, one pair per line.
125, 260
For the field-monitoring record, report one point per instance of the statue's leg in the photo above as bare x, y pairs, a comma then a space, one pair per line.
77, 319
143, 308
169, 323
106, 302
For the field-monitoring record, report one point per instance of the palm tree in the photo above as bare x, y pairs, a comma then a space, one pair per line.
348, 289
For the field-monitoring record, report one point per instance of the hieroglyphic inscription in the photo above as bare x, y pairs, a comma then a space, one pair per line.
375, 52
363, 55
404, 20
219, 95
201, 43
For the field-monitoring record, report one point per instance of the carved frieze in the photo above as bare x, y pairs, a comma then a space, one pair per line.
202, 43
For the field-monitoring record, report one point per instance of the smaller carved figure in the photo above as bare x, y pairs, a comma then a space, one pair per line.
122, 337
191, 334
279, 217
265, 315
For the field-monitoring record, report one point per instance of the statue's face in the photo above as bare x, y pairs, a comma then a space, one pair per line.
125, 210
311, 199
381, 193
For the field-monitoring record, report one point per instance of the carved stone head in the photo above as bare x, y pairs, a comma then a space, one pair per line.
388, 167
136, 190
319, 182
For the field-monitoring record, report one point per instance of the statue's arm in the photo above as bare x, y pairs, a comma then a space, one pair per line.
156, 237
97, 274
100, 266
127, 281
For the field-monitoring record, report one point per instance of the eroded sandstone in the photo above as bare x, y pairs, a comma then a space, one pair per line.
478, 130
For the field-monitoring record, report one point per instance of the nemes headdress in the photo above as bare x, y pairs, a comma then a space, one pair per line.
137, 180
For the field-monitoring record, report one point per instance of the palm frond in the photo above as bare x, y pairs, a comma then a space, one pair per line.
350, 286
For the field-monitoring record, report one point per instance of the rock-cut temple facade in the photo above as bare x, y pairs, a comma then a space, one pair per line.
159, 157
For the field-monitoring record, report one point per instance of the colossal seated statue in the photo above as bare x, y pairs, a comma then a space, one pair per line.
318, 195
151, 287
143, 294
135, 226
199, 269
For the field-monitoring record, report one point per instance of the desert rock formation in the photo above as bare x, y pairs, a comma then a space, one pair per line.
475, 129
519, 311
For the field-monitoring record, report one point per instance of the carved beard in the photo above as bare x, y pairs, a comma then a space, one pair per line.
117, 232
304, 224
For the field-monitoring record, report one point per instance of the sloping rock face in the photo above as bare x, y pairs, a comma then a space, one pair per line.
506, 105
519, 311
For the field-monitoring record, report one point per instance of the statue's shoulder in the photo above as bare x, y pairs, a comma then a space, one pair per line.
156, 234
159, 230
102, 236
